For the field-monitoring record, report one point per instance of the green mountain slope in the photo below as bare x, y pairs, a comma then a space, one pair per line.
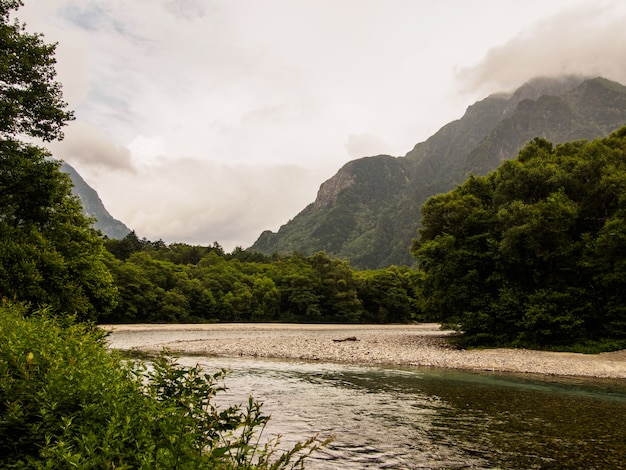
93, 206
368, 212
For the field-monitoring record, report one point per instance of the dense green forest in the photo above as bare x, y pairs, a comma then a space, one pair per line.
533, 254
184, 283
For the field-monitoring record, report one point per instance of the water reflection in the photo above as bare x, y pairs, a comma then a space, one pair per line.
428, 418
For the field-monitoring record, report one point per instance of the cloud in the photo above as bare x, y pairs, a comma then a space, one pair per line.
200, 202
86, 146
188, 9
588, 41
365, 144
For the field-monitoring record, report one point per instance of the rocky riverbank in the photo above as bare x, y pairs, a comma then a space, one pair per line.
407, 345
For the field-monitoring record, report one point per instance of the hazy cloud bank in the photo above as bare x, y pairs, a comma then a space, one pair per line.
589, 40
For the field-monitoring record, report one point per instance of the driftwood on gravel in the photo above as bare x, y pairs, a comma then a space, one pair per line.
349, 338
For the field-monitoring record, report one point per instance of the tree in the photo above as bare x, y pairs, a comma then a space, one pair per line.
49, 252
31, 101
388, 295
122, 249
533, 254
337, 289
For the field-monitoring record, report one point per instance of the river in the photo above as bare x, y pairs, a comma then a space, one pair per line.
409, 417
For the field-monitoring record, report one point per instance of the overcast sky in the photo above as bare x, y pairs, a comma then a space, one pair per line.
205, 120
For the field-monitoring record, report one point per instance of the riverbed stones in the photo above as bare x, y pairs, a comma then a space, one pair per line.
402, 345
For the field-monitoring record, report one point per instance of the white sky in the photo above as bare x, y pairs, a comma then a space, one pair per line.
213, 120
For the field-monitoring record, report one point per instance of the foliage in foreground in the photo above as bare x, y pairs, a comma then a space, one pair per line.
533, 254
68, 402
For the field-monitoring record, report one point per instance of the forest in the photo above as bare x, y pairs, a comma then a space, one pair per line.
184, 283
533, 254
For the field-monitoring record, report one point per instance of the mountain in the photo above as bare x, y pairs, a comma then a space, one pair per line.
93, 207
369, 211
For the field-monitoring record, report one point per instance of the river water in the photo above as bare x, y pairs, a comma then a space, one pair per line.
408, 418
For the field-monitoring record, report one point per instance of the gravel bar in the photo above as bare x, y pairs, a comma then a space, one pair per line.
423, 344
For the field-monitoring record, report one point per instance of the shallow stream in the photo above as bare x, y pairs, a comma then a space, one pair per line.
408, 418
427, 418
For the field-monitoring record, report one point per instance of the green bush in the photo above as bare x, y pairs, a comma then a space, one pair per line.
66, 401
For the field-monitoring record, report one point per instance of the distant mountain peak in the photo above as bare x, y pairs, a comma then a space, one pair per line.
540, 86
93, 206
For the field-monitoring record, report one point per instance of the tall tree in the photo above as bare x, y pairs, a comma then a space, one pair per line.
31, 101
49, 253
534, 253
